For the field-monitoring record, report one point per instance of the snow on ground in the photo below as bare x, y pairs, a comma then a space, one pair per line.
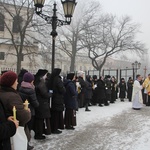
98, 113
114, 127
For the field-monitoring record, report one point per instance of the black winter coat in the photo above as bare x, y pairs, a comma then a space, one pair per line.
7, 129
27, 92
130, 88
100, 90
70, 97
58, 93
83, 85
108, 86
43, 97
56, 84
88, 91
122, 93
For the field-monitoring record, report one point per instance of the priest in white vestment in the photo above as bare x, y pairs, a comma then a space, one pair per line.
137, 100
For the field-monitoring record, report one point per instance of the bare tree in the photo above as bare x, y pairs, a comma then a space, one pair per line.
20, 23
69, 40
108, 36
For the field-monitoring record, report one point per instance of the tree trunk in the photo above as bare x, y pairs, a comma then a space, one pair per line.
18, 63
72, 65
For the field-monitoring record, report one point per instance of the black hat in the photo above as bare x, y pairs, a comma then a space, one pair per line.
41, 72
94, 76
70, 76
22, 72
3, 71
108, 76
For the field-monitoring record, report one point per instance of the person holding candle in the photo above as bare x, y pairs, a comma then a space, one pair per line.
8, 128
10, 98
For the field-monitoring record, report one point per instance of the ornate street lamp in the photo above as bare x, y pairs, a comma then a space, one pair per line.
68, 7
136, 65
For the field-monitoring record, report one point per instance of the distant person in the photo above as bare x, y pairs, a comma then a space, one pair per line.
94, 96
122, 91
82, 83
101, 92
129, 88
146, 85
88, 92
108, 87
113, 90
137, 100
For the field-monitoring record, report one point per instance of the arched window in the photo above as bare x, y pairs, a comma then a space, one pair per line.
2, 22
17, 22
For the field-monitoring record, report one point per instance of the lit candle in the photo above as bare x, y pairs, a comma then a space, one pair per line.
26, 103
14, 112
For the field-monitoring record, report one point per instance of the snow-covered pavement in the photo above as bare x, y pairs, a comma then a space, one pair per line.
114, 127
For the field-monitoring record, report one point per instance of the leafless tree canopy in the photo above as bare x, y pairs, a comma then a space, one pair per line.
110, 35
100, 35
23, 28
96, 34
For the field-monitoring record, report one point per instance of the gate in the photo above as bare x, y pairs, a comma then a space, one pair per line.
126, 73
94, 72
117, 73
111, 72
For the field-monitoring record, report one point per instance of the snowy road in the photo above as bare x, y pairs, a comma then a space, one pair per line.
116, 127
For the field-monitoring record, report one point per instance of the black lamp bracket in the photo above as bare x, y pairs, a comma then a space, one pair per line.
50, 20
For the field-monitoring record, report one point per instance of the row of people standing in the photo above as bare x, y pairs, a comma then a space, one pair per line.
103, 90
45, 94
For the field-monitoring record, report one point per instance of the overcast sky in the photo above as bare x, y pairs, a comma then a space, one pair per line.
138, 10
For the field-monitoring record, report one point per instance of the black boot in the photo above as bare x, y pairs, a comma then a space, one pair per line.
86, 108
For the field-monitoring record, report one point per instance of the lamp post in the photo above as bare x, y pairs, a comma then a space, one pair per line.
145, 69
126, 74
68, 7
136, 65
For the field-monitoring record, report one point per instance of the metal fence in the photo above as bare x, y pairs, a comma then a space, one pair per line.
117, 73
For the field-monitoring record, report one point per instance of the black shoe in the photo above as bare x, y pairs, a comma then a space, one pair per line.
122, 100
100, 105
87, 110
30, 147
57, 132
39, 137
136, 108
70, 128
107, 104
147, 104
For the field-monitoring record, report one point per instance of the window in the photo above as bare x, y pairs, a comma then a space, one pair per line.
2, 55
17, 22
2, 22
